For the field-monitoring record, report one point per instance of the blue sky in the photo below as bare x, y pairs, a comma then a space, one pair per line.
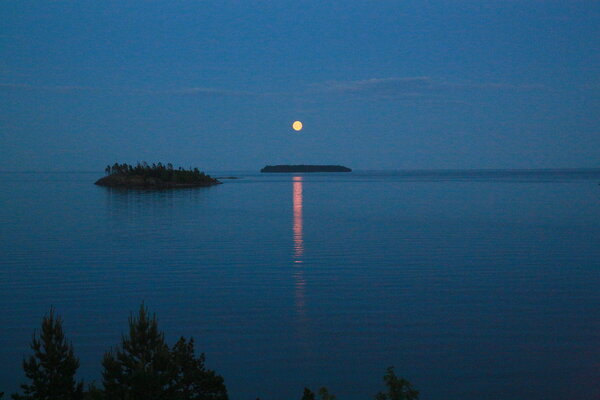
377, 84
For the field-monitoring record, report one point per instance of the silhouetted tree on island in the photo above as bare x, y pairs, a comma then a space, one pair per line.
51, 369
156, 175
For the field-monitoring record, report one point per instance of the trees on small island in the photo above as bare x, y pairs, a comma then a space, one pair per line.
142, 367
157, 174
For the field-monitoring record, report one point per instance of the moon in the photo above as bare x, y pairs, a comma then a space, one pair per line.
297, 125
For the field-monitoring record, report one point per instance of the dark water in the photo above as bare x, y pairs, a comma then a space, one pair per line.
475, 285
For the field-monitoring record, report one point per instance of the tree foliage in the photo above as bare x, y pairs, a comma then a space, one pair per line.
160, 172
308, 394
398, 388
141, 368
323, 394
192, 380
51, 369
144, 367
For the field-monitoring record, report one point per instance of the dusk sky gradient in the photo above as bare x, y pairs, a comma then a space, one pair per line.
377, 84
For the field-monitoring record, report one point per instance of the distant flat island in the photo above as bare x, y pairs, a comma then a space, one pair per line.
155, 176
305, 168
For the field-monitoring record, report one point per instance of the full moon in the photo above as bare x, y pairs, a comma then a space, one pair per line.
297, 125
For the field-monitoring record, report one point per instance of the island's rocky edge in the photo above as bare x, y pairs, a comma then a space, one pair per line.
305, 168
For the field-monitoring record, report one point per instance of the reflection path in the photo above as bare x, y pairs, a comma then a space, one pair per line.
297, 201
299, 281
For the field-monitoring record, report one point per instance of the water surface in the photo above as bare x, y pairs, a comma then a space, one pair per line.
474, 284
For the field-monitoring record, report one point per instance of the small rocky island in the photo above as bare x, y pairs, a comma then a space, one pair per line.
155, 176
305, 168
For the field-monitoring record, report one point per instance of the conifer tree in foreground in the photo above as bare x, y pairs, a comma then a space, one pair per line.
145, 368
308, 394
141, 368
52, 367
193, 381
323, 394
398, 388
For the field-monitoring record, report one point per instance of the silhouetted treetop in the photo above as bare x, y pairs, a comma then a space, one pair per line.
398, 388
144, 367
51, 369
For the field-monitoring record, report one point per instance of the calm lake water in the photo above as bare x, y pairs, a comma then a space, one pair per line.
474, 284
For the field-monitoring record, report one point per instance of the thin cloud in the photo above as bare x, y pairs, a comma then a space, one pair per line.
383, 87
26, 86
205, 91
495, 85
192, 91
401, 87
